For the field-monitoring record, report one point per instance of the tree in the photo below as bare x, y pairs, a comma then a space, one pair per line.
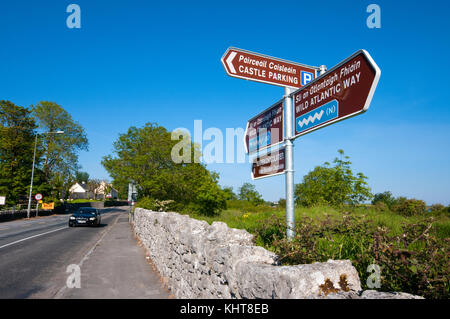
61, 184
385, 197
81, 177
249, 193
60, 150
93, 185
229, 194
144, 155
334, 186
17, 138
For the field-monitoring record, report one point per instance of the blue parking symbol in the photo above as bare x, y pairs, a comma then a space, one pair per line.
306, 77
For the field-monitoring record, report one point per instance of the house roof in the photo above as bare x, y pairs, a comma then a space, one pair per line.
78, 188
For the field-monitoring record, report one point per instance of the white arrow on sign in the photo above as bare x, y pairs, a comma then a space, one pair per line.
229, 61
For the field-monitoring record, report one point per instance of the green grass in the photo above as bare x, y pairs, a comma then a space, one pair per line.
75, 201
249, 220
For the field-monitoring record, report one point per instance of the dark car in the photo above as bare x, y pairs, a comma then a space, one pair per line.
85, 216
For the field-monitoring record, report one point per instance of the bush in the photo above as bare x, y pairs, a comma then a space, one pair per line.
437, 208
381, 206
146, 203
210, 199
333, 186
282, 203
414, 261
156, 205
409, 207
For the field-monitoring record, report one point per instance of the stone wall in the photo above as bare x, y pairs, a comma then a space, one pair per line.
198, 260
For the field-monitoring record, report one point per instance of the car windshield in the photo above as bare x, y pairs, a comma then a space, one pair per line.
86, 211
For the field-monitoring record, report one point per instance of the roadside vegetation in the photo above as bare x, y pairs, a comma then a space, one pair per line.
337, 217
411, 250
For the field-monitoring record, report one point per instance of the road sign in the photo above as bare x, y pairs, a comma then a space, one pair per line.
38, 197
2, 200
48, 206
265, 129
257, 67
270, 164
344, 91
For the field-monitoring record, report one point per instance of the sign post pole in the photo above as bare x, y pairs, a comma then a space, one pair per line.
290, 205
289, 146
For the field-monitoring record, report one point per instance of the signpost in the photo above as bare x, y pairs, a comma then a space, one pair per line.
265, 130
38, 197
342, 92
258, 67
270, 164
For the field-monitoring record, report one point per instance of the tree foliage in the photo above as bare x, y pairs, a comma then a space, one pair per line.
249, 193
333, 185
59, 150
229, 193
143, 155
385, 197
81, 177
56, 154
17, 138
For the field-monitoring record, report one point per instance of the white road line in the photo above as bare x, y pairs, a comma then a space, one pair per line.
20, 240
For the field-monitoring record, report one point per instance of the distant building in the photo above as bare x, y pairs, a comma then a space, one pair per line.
79, 191
104, 187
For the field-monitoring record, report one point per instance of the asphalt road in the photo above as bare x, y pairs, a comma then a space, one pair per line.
35, 254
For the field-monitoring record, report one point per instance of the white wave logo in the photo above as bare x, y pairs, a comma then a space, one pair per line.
312, 119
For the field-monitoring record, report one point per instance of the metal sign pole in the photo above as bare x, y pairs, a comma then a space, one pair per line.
289, 147
290, 213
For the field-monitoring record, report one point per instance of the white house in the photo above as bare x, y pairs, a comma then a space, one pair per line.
80, 191
103, 188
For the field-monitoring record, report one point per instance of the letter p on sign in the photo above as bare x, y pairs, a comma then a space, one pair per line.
306, 77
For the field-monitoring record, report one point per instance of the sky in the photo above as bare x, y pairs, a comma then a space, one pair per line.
134, 62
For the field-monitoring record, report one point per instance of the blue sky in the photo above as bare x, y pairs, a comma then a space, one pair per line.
134, 62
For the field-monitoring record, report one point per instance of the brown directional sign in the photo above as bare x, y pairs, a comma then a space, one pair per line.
342, 92
269, 164
262, 68
265, 130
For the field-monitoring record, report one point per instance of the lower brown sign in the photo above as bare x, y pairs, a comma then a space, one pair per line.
271, 163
